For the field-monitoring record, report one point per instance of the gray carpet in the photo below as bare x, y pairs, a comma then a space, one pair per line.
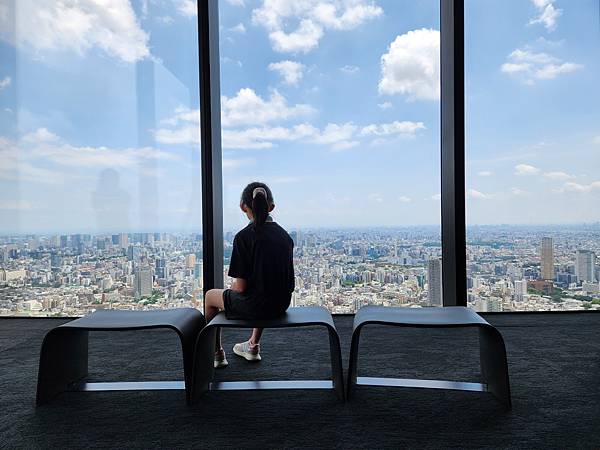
554, 364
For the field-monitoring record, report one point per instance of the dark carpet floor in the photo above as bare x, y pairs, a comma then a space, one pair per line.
554, 364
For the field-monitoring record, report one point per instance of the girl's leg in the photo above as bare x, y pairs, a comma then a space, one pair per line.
213, 303
256, 335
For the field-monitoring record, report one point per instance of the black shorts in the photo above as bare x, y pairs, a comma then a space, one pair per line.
244, 305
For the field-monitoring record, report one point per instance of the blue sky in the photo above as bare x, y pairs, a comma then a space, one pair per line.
334, 103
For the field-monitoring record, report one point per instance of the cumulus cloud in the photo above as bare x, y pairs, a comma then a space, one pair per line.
526, 169
532, 66
5, 82
385, 105
188, 8
248, 108
411, 65
404, 199
298, 26
485, 173
548, 14
253, 122
290, 71
110, 25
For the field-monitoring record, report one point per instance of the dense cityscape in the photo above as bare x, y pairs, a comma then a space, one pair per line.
509, 269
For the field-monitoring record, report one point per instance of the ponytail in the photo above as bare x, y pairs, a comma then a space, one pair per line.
258, 197
260, 206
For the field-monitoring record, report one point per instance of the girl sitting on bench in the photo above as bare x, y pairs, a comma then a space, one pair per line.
263, 271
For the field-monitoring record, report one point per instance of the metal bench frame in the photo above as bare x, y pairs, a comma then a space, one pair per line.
294, 317
64, 354
494, 366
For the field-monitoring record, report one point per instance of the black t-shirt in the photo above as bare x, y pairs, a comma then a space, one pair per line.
264, 258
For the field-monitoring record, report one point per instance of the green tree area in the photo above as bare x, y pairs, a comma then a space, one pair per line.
152, 299
558, 295
347, 283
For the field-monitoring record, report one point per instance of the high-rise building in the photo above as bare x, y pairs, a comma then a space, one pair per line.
190, 261
584, 265
161, 268
123, 240
520, 290
547, 258
434, 279
143, 282
198, 270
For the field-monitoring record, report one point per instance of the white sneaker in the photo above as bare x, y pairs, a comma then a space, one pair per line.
244, 350
220, 360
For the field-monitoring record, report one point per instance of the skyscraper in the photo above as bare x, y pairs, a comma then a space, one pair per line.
547, 259
434, 278
143, 282
520, 290
584, 265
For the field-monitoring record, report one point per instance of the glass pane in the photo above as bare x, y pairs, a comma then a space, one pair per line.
99, 180
335, 105
533, 152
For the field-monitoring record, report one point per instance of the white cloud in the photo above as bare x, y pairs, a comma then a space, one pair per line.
290, 71
596, 140
477, 195
532, 66
557, 175
376, 198
385, 105
404, 199
339, 137
485, 173
39, 136
313, 18
239, 28
350, 70
248, 108
188, 8
110, 25
404, 128
237, 2
436, 197
15, 205
263, 137
548, 14
412, 65
581, 188
5, 82
526, 169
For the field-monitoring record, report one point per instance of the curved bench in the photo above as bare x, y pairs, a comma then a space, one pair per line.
64, 354
294, 317
494, 366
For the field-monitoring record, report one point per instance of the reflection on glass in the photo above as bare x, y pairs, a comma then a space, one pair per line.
99, 180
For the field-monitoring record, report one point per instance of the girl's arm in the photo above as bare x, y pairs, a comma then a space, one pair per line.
238, 284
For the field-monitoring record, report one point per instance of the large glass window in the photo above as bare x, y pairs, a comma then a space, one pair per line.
533, 153
99, 172
335, 105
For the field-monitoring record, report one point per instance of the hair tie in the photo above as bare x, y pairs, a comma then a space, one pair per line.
258, 190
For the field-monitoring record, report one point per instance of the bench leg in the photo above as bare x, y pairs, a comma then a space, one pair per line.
337, 373
353, 363
203, 368
63, 361
494, 366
